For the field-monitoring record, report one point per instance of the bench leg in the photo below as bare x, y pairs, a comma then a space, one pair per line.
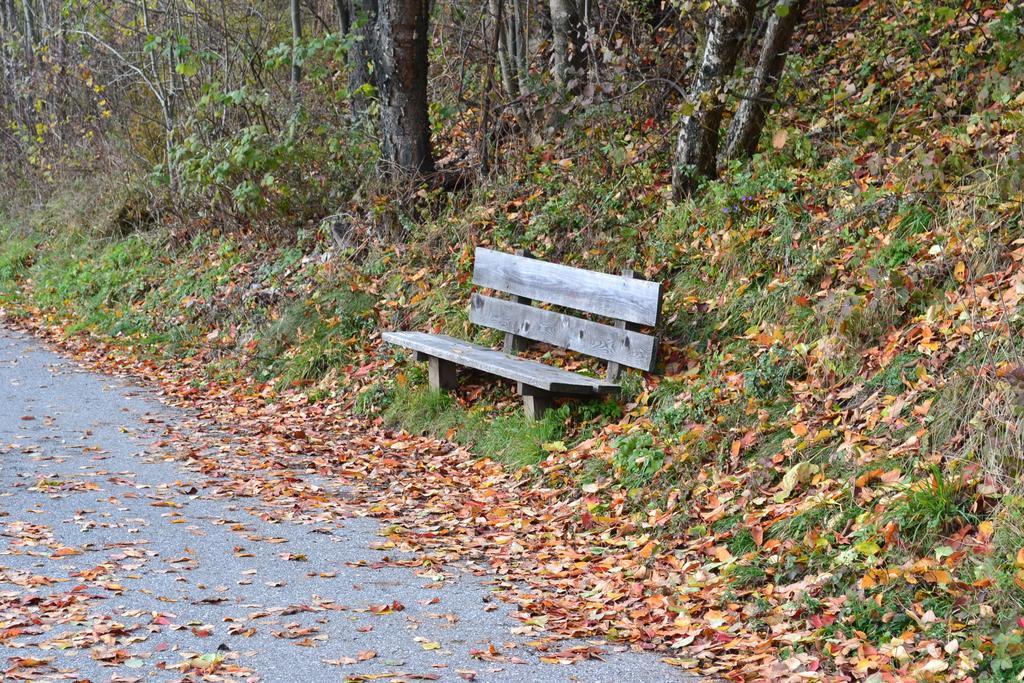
536, 405
441, 374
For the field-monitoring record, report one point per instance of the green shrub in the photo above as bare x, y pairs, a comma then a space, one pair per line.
637, 460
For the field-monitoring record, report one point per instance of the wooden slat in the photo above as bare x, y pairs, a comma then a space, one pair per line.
513, 342
576, 334
614, 370
612, 296
528, 372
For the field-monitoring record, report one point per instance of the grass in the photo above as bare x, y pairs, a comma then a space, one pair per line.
140, 289
310, 338
933, 508
511, 439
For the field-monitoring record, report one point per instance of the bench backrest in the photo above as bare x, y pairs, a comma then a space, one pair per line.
628, 301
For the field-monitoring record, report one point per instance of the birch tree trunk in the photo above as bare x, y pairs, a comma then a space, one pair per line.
296, 16
697, 145
567, 40
31, 32
752, 113
402, 33
505, 48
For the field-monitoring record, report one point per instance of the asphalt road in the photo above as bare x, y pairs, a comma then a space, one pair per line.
119, 563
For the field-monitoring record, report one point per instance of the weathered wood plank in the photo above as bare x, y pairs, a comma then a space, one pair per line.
514, 343
529, 372
612, 296
627, 347
614, 370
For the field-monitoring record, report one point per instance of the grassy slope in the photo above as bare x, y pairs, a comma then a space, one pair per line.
832, 411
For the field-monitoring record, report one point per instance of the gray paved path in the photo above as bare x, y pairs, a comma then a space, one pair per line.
119, 564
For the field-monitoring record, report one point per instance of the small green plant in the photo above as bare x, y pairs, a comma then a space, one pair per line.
637, 460
891, 378
879, 622
768, 377
1007, 658
748, 575
933, 508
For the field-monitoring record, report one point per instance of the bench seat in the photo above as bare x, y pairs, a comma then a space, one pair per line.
528, 373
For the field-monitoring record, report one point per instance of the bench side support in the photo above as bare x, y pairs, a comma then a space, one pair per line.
536, 406
536, 401
441, 374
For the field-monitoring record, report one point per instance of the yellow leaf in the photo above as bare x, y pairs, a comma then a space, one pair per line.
796, 475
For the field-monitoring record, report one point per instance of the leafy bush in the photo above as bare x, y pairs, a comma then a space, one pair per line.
637, 460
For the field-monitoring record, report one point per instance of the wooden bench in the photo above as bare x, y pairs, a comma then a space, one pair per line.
628, 302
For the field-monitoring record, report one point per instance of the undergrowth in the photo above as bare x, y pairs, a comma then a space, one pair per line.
834, 407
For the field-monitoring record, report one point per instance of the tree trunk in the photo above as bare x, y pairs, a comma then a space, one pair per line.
521, 31
505, 47
747, 124
344, 16
697, 144
7, 33
497, 9
296, 13
31, 35
402, 32
567, 44
363, 55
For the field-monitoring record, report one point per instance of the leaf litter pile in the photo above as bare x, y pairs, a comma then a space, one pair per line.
582, 560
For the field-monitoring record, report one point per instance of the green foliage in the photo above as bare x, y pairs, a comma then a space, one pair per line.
678, 407
15, 258
768, 377
932, 508
1007, 659
748, 575
637, 460
892, 377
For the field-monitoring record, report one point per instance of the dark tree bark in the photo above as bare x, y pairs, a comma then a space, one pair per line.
752, 113
402, 34
567, 40
363, 55
344, 16
697, 145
